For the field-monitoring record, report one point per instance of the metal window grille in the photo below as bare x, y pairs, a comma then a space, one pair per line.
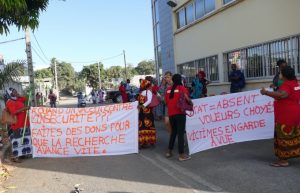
209, 65
260, 61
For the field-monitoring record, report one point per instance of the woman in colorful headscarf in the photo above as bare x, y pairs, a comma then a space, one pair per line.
287, 117
204, 82
147, 132
15, 106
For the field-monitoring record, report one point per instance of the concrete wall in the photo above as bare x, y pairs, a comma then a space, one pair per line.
239, 24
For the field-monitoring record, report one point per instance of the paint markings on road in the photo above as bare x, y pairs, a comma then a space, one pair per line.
189, 174
168, 172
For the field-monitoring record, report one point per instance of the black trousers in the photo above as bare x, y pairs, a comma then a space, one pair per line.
178, 127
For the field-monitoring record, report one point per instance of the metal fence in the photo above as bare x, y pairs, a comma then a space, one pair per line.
209, 65
259, 61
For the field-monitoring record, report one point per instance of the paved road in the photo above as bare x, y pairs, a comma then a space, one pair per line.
238, 168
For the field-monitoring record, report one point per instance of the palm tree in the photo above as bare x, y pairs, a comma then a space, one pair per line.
11, 72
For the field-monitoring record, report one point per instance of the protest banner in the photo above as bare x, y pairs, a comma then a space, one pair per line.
227, 119
90, 131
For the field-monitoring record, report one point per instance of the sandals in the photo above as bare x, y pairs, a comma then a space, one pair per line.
169, 154
184, 158
279, 164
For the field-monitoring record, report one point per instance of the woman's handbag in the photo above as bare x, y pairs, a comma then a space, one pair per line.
8, 118
183, 104
154, 102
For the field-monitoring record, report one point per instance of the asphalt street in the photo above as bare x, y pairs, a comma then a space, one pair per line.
238, 168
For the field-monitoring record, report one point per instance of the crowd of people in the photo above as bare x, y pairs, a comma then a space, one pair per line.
286, 92
97, 96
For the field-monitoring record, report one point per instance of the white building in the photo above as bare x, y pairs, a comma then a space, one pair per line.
213, 34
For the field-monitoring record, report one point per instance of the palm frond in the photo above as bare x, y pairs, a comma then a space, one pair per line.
11, 72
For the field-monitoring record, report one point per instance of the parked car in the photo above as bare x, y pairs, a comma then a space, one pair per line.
116, 97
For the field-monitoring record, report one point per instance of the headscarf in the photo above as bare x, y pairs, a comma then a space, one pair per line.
9, 91
145, 84
201, 74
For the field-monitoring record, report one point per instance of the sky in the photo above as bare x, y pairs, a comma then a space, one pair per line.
82, 32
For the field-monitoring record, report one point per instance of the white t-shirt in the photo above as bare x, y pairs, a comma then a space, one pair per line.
147, 93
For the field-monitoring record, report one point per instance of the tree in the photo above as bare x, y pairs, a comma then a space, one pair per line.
43, 73
21, 13
130, 71
145, 67
90, 75
11, 72
79, 84
65, 75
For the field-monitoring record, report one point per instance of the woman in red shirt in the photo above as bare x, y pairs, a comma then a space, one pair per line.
176, 116
287, 117
122, 90
15, 106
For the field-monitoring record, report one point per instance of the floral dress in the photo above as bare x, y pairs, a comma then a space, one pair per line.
147, 131
287, 122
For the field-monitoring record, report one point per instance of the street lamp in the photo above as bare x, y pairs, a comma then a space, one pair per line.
172, 4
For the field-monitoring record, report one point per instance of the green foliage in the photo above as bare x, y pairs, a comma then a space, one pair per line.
90, 75
21, 13
145, 67
65, 75
79, 85
43, 73
11, 72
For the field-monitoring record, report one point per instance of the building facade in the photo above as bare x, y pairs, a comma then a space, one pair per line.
163, 37
254, 34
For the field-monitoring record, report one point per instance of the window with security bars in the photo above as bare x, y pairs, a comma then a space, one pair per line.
209, 65
227, 1
260, 61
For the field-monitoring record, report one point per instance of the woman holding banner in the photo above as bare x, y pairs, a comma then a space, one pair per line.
287, 125
176, 116
15, 106
147, 132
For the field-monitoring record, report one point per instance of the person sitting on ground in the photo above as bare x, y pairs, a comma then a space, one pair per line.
287, 117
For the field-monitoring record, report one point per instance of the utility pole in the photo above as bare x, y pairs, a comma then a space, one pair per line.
100, 84
56, 82
30, 65
125, 65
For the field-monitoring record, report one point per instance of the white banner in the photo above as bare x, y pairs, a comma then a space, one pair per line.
227, 119
90, 131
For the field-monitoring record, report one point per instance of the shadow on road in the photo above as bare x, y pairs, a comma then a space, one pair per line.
234, 168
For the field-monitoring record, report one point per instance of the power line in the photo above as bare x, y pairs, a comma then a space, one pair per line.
11, 40
38, 55
111, 57
95, 61
40, 47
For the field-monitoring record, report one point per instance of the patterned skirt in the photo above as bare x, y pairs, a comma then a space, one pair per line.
19, 149
287, 141
147, 132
